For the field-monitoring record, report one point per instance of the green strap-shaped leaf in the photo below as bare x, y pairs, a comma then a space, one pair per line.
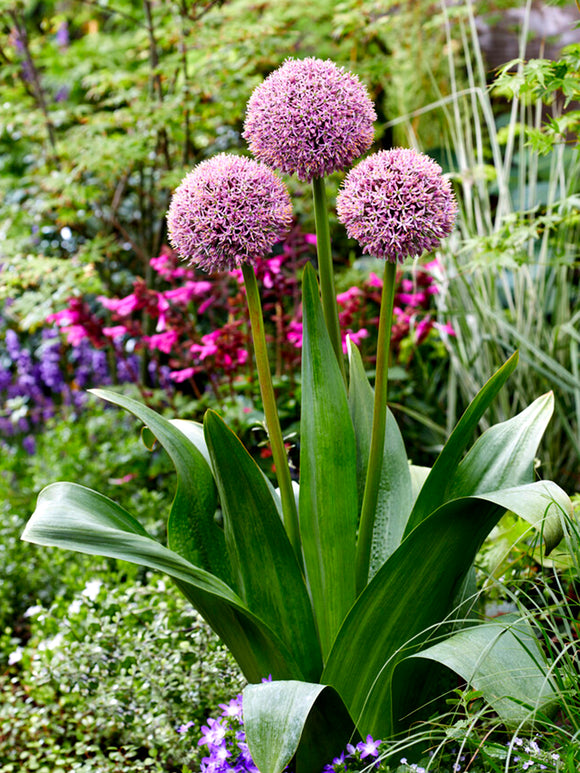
414, 591
328, 488
73, 517
191, 529
501, 659
288, 718
435, 488
269, 578
503, 456
395, 496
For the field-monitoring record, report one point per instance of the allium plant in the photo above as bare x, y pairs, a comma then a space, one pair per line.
346, 595
311, 118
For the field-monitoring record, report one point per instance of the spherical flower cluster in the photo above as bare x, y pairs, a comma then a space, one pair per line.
227, 211
396, 204
310, 118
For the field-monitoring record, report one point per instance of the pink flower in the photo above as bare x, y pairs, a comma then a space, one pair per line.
356, 338
348, 295
310, 118
64, 317
122, 306
179, 376
115, 332
294, 334
75, 334
162, 341
228, 210
445, 328
397, 204
412, 299
375, 281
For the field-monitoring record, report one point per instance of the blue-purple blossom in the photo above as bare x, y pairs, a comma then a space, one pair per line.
228, 210
368, 748
228, 751
397, 204
310, 118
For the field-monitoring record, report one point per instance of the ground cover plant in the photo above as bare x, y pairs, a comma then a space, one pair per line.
365, 520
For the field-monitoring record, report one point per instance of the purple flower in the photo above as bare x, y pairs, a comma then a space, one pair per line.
309, 118
368, 748
213, 733
228, 210
397, 204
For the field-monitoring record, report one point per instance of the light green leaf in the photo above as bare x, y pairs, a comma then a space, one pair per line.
285, 718
395, 495
73, 517
543, 504
268, 576
501, 659
503, 457
328, 488
435, 489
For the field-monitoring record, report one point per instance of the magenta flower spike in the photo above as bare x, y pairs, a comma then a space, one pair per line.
310, 118
397, 204
228, 210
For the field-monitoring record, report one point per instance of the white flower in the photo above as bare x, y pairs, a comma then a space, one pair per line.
75, 607
92, 588
32, 611
15, 656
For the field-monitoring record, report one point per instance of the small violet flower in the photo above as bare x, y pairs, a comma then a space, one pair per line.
397, 204
228, 210
368, 748
310, 118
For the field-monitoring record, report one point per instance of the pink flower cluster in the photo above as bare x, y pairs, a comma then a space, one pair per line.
197, 327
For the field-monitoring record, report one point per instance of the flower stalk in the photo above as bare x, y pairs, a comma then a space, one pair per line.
326, 270
289, 512
375, 463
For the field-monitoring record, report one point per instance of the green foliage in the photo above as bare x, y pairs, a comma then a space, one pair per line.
407, 599
78, 446
106, 680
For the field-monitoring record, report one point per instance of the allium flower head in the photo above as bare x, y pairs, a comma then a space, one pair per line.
309, 117
396, 204
228, 210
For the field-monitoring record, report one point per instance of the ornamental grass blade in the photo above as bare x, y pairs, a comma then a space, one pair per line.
328, 487
502, 659
267, 575
287, 718
73, 517
435, 488
395, 495
191, 529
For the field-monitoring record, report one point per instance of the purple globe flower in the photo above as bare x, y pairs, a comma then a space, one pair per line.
396, 204
309, 117
228, 210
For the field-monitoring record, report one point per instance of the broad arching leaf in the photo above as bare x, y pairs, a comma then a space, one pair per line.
191, 530
267, 574
76, 518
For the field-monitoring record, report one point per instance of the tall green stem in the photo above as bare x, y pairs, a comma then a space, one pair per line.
370, 497
326, 270
289, 511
